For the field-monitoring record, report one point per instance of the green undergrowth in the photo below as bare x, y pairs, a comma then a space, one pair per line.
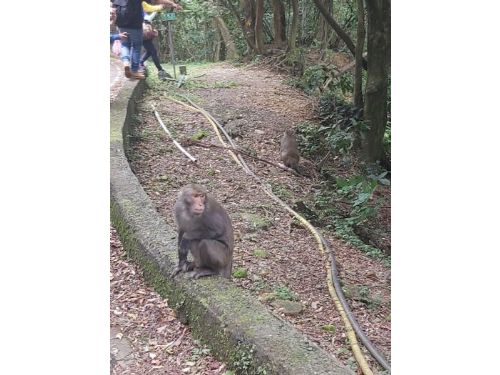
284, 293
342, 202
355, 193
243, 361
240, 273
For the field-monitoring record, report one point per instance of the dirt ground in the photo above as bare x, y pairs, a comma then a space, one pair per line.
147, 338
274, 255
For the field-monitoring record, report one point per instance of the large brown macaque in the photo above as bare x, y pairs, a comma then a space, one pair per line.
289, 150
205, 229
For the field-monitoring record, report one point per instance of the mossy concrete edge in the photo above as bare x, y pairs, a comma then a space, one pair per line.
238, 329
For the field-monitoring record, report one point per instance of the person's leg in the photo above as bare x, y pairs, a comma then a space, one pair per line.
135, 37
151, 51
125, 51
146, 53
154, 54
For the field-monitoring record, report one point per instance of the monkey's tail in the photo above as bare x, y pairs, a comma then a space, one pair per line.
332, 276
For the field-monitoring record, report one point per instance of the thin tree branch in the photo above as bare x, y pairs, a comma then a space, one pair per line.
190, 142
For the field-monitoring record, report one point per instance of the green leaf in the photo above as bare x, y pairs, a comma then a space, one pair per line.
385, 181
240, 273
362, 198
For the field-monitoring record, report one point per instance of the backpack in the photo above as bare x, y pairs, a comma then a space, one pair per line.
127, 11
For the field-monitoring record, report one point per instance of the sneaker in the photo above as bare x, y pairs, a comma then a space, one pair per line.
163, 75
128, 72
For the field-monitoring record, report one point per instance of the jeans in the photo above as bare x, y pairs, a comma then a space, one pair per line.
131, 47
150, 51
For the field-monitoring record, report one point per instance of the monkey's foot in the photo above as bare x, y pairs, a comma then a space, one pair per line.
201, 272
184, 267
175, 271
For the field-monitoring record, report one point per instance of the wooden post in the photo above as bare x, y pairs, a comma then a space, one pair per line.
183, 69
171, 46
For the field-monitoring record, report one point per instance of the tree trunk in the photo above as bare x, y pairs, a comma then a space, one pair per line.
248, 7
360, 42
231, 52
217, 43
292, 38
279, 22
379, 53
324, 29
341, 33
259, 31
242, 22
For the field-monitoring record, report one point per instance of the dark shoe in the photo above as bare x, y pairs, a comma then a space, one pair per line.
163, 75
128, 72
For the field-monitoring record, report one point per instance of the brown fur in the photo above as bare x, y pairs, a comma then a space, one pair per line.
289, 150
205, 229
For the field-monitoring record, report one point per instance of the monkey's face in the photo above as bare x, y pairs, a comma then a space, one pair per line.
197, 203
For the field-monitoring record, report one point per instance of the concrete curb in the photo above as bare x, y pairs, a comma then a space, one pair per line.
238, 329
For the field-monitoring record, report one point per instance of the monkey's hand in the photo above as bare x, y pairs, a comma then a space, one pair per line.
183, 266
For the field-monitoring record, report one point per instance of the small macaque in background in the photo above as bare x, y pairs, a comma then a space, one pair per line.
289, 150
205, 229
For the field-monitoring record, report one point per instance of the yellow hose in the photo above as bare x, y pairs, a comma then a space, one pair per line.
358, 354
204, 113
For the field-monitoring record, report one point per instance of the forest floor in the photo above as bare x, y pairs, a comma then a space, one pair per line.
146, 336
275, 257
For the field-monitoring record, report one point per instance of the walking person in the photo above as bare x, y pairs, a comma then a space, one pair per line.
129, 17
149, 34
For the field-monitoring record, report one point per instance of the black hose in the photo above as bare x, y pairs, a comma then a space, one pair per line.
355, 325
